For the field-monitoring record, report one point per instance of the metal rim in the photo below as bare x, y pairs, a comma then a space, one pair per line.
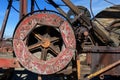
29, 61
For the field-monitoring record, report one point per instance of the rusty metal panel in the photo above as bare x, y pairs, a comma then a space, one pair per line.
106, 18
6, 46
9, 63
100, 61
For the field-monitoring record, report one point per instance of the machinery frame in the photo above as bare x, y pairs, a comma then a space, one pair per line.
87, 27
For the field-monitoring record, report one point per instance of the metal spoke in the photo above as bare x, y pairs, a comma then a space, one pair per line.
46, 35
54, 49
38, 36
31, 47
44, 53
54, 39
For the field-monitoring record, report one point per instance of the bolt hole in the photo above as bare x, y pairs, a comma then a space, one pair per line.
14, 63
101, 77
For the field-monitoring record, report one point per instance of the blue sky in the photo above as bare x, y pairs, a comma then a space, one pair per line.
98, 5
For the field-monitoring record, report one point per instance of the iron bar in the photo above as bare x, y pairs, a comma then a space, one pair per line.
23, 8
57, 7
71, 6
103, 70
5, 19
32, 5
100, 49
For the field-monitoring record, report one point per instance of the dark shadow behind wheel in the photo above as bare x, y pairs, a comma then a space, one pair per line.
45, 42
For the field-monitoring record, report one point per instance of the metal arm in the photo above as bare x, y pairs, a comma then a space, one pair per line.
5, 19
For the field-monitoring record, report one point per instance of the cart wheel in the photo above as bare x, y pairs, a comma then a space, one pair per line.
44, 42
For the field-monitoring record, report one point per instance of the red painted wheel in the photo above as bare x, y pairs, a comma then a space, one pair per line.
44, 42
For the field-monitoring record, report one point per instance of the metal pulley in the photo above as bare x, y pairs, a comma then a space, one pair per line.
44, 42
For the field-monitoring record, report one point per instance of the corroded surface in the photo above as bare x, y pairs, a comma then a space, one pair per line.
29, 61
108, 32
6, 46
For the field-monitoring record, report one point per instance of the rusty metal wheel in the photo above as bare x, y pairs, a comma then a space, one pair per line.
44, 42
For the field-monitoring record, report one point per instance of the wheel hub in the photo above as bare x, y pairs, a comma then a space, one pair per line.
46, 43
